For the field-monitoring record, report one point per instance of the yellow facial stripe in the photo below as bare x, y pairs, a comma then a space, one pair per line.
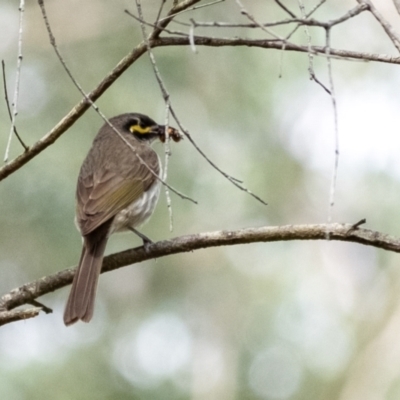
139, 129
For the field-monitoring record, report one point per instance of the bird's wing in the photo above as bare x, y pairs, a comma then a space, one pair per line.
101, 196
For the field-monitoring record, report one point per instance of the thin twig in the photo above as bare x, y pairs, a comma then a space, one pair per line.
311, 71
167, 153
332, 191
231, 179
397, 5
307, 32
393, 35
165, 94
357, 225
289, 35
191, 36
176, 9
191, 9
160, 11
3, 67
251, 18
299, 21
17, 80
284, 8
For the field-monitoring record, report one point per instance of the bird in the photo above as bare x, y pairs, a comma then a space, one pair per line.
117, 190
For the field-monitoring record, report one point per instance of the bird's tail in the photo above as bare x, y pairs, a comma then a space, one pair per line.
80, 304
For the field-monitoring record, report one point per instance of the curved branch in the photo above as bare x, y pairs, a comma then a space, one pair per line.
342, 232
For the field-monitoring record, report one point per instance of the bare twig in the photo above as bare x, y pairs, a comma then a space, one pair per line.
397, 5
3, 67
189, 243
176, 9
160, 11
336, 129
191, 36
166, 163
288, 36
310, 55
231, 179
17, 79
174, 14
299, 21
251, 18
393, 35
357, 225
284, 8
165, 95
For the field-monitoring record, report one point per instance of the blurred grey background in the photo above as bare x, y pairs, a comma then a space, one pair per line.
290, 320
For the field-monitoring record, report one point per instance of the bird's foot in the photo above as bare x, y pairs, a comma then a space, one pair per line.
146, 240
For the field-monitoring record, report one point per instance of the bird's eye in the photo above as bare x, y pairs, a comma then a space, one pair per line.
137, 128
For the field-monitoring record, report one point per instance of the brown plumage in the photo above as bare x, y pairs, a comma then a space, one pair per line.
115, 192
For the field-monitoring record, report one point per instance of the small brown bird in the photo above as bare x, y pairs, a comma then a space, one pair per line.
117, 191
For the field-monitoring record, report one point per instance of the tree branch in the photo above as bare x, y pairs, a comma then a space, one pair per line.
274, 44
7, 317
139, 50
341, 232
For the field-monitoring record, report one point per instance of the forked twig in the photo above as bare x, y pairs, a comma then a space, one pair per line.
17, 80
191, 9
3, 67
393, 35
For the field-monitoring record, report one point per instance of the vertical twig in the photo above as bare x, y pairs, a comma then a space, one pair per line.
17, 80
191, 37
3, 67
290, 35
166, 163
160, 11
307, 32
336, 128
165, 95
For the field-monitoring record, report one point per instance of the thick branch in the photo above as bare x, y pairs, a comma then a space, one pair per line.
341, 232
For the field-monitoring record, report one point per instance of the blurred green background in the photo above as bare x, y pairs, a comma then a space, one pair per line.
290, 320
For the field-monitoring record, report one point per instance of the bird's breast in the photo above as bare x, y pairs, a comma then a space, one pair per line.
138, 212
